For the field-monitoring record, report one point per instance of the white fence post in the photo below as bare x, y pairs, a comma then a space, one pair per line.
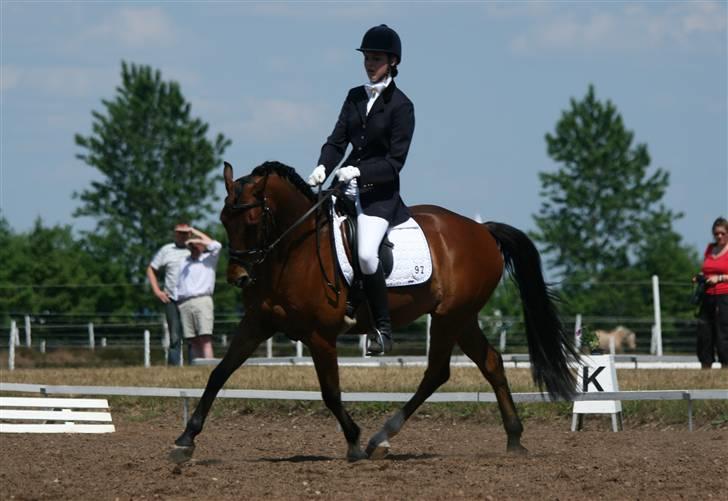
299, 349
146, 349
363, 346
428, 324
28, 342
165, 339
657, 332
103, 342
11, 346
224, 340
499, 327
577, 332
269, 347
91, 337
42, 345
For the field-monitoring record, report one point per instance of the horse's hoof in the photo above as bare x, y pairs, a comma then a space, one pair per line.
378, 451
355, 455
180, 455
517, 450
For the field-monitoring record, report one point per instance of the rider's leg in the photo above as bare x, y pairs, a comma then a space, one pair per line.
371, 231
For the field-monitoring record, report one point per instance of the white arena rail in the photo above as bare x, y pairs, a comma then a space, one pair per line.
510, 360
478, 397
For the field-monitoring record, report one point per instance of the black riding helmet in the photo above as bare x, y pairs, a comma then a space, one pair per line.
382, 38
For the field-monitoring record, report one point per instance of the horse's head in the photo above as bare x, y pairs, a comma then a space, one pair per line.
242, 216
249, 215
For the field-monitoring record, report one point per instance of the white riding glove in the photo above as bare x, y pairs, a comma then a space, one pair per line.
348, 173
318, 176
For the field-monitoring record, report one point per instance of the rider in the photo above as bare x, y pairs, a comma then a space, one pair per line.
378, 120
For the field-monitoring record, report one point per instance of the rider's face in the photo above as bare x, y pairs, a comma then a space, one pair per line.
376, 64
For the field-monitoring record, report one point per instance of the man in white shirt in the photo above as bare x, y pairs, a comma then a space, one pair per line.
170, 257
195, 286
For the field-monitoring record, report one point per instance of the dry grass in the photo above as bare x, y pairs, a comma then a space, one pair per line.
354, 379
387, 379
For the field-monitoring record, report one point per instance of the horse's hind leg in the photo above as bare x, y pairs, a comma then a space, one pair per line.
489, 361
242, 345
436, 374
323, 352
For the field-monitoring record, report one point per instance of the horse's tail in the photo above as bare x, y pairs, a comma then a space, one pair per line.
551, 349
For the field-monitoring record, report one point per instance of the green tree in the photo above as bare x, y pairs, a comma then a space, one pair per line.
602, 222
47, 271
156, 165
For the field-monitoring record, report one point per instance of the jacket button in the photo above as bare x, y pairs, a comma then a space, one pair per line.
362, 137
359, 148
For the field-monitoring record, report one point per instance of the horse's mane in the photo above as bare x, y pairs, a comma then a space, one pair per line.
287, 173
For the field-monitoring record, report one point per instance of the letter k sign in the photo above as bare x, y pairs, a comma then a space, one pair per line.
591, 379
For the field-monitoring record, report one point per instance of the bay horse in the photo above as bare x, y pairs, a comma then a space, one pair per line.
280, 259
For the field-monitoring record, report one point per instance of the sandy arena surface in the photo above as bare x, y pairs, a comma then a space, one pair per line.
278, 457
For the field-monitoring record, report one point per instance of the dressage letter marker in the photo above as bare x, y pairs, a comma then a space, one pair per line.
594, 378
591, 379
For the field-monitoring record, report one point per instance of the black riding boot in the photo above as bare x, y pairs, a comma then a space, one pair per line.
375, 288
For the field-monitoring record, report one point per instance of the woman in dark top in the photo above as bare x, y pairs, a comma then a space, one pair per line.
713, 321
378, 120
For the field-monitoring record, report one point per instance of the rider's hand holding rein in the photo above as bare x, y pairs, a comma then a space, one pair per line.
348, 173
318, 176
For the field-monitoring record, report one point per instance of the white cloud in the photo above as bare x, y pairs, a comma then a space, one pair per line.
336, 10
59, 81
277, 119
134, 27
630, 27
9, 77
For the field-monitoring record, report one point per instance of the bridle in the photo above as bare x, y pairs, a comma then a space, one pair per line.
251, 258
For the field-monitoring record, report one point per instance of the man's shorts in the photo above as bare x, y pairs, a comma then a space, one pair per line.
197, 316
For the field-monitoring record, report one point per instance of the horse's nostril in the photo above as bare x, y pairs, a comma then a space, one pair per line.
243, 281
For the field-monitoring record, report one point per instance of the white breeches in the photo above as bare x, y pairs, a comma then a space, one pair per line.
370, 232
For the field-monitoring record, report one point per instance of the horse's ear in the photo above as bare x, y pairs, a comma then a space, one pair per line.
228, 175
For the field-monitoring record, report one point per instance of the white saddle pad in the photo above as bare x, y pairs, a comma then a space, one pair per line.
412, 262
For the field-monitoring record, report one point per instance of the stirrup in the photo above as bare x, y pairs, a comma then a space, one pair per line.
378, 344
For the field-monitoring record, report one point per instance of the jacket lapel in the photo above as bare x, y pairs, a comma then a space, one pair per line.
383, 100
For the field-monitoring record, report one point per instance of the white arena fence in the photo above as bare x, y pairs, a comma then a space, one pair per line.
50, 332
689, 396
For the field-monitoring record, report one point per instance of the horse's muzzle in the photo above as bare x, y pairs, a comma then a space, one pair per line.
238, 277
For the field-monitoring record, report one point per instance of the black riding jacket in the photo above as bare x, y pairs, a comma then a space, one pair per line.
380, 142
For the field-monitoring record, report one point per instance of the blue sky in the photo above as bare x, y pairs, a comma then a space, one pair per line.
488, 80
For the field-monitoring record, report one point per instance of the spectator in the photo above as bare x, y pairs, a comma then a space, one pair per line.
713, 318
194, 292
170, 257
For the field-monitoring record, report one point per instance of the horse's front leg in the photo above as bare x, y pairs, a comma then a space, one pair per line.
323, 352
247, 338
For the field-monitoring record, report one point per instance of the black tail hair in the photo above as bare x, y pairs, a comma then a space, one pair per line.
551, 349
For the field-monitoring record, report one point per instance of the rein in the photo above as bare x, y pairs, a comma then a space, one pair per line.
254, 257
